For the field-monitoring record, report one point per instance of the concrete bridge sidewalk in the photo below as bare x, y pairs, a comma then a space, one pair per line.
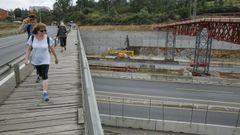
25, 113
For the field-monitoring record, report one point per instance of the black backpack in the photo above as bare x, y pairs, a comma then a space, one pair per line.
29, 30
62, 31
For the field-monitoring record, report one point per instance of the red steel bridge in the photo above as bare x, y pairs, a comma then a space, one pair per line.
205, 29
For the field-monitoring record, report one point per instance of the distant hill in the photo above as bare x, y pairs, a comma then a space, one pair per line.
233, 2
225, 3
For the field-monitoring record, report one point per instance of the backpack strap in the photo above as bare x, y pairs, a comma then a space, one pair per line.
29, 27
48, 41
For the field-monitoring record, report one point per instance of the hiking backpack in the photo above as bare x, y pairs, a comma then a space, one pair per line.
62, 31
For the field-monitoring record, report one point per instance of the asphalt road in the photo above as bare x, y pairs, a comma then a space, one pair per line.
184, 92
12, 47
227, 96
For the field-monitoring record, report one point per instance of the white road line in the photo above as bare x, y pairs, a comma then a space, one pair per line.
4, 80
173, 98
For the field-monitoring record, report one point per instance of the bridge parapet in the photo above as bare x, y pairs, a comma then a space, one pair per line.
91, 114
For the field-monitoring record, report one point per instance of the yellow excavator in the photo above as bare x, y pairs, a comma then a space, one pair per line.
123, 53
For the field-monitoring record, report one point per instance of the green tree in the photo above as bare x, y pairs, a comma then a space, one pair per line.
137, 5
25, 13
82, 4
105, 5
61, 8
47, 17
18, 13
121, 6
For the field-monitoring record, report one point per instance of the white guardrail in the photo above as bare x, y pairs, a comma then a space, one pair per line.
91, 114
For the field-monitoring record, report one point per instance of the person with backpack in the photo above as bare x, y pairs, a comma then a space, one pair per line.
28, 24
41, 46
62, 35
27, 27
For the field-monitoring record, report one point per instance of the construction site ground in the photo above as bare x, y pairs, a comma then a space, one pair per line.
160, 60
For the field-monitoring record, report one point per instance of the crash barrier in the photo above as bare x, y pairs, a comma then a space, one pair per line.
91, 114
156, 114
16, 72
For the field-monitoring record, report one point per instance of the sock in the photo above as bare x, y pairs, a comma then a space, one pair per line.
44, 91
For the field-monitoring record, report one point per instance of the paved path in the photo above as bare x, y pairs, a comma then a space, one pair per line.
25, 113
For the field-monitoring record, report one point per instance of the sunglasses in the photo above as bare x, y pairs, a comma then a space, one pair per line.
43, 30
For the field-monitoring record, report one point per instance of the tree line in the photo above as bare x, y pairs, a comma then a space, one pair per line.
102, 12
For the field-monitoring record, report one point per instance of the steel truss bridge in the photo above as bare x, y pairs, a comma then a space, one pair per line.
205, 29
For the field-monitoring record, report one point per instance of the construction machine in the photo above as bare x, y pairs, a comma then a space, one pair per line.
122, 53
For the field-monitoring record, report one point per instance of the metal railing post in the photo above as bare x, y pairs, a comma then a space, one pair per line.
238, 118
17, 74
163, 113
192, 114
205, 121
149, 111
123, 108
109, 106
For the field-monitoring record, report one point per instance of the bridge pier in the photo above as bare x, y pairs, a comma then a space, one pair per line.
170, 44
202, 53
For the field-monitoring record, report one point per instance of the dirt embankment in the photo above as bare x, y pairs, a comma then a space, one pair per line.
118, 28
7, 29
219, 54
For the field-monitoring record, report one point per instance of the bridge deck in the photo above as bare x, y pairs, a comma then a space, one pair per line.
24, 112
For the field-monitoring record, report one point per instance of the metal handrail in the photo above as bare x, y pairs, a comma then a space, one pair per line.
5, 67
91, 114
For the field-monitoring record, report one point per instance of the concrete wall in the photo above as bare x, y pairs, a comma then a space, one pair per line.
173, 126
98, 42
8, 84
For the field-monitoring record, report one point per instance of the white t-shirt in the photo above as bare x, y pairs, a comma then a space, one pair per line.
40, 50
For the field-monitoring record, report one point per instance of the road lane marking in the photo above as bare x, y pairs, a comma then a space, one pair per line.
164, 97
4, 80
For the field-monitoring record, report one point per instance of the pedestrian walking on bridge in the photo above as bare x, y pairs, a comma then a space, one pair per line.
28, 24
41, 47
62, 35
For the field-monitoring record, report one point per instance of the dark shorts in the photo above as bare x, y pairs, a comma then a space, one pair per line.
42, 71
63, 41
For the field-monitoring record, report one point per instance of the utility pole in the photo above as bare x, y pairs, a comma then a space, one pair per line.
194, 8
40, 14
39, 10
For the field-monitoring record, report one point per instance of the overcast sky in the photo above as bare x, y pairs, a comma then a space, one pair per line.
24, 4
